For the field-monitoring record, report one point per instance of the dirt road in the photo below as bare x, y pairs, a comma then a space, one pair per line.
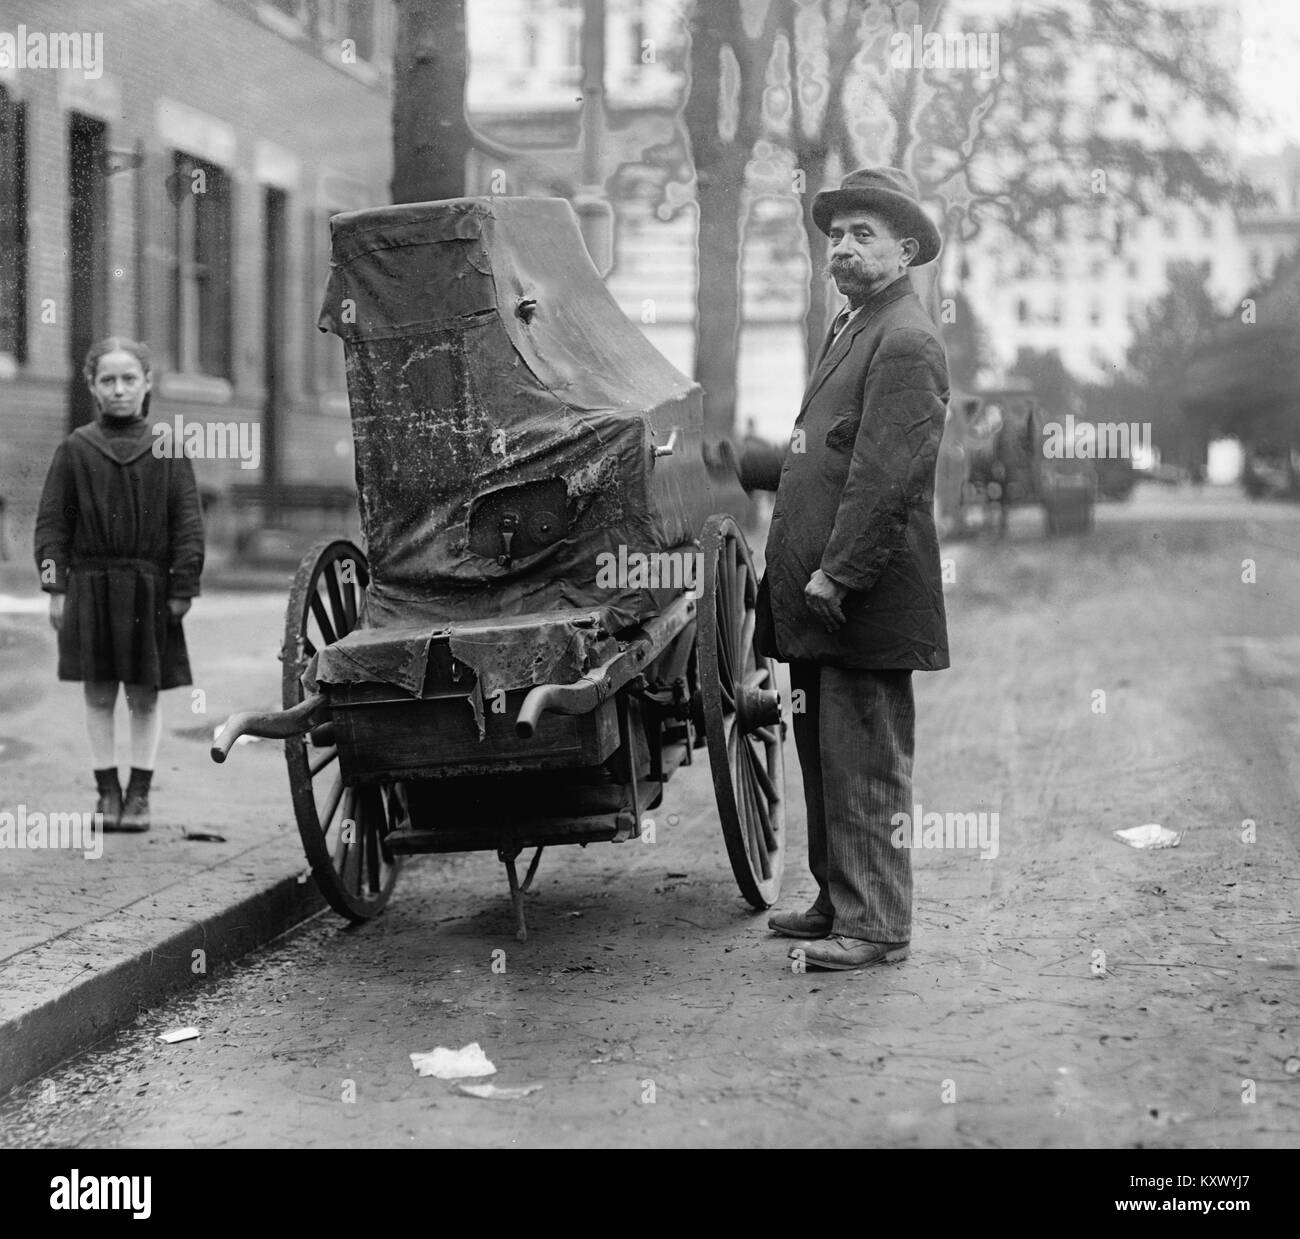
1069, 991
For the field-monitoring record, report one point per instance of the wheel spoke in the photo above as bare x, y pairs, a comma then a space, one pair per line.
738, 602
325, 815
338, 612
758, 795
322, 619
351, 593
373, 828
747, 639
752, 813
728, 576
726, 673
762, 777
321, 760
350, 874
757, 678
341, 842
728, 697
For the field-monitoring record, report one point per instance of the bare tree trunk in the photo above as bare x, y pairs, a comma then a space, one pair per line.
720, 161
812, 161
718, 297
431, 137
812, 153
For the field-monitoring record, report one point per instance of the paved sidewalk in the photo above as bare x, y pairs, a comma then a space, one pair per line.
87, 943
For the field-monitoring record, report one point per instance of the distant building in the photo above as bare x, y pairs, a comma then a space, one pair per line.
1270, 233
1078, 294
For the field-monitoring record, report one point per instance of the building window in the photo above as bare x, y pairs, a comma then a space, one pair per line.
1022, 310
13, 228
572, 47
200, 318
1207, 227
1132, 268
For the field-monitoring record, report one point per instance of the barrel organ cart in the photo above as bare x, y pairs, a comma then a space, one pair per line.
523, 654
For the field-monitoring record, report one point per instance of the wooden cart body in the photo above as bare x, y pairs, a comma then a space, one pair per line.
550, 615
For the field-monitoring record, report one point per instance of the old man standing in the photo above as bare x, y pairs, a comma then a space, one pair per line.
852, 597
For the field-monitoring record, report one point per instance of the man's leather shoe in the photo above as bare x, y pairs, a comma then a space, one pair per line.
810, 924
843, 953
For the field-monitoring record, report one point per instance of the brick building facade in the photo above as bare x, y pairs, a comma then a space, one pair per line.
179, 192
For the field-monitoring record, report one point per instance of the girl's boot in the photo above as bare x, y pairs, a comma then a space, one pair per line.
109, 803
135, 813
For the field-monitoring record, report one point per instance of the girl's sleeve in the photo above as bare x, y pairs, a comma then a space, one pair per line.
185, 531
56, 519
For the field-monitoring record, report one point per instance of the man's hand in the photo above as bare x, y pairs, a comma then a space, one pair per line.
178, 606
56, 610
823, 596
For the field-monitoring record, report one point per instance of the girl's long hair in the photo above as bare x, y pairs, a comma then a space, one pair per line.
119, 344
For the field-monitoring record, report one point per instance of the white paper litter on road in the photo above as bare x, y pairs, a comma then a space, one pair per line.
493, 1092
1152, 835
179, 1034
453, 1064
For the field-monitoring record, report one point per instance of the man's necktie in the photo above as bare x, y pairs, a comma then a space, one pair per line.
841, 321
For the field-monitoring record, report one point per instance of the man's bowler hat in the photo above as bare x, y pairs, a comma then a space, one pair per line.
888, 192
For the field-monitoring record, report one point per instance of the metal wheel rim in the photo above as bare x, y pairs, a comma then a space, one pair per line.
748, 767
353, 866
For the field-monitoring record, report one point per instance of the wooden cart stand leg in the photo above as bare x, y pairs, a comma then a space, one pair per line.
519, 889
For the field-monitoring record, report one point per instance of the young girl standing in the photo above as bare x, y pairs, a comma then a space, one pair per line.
119, 545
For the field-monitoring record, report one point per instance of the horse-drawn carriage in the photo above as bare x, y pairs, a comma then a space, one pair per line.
993, 458
550, 615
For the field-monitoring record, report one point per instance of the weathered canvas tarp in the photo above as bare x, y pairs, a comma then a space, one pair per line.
484, 352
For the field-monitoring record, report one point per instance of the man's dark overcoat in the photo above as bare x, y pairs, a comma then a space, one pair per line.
856, 497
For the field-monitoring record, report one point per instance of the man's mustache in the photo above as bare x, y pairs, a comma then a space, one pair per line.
844, 266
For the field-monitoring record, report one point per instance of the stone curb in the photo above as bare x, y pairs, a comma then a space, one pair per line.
143, 953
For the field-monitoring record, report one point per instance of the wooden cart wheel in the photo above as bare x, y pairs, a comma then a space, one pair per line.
344, 829
742, 715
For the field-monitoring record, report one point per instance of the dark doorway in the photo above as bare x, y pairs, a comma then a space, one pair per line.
274, 213
87, 254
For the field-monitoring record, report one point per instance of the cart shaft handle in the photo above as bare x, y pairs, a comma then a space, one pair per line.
270, 725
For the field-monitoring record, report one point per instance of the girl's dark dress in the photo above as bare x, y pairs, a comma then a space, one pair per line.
121, 531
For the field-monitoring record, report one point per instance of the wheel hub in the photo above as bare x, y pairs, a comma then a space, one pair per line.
757, 707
